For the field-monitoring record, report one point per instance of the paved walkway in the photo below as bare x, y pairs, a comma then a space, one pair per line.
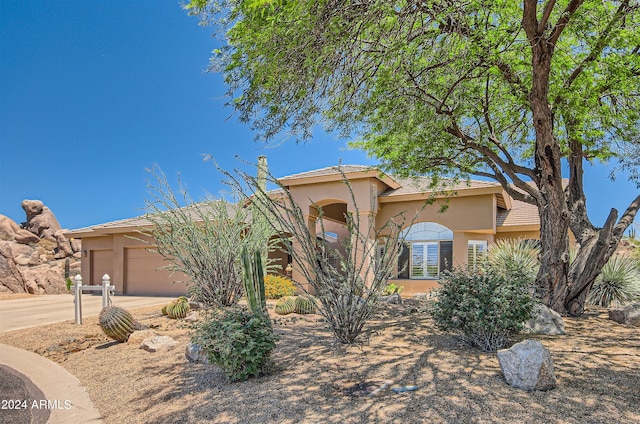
47, 309
48, 393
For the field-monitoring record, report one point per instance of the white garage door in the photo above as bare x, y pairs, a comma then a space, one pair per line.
143, 276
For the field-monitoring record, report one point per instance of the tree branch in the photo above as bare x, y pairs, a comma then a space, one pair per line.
628, 217
597, 49
563, 21
548, 8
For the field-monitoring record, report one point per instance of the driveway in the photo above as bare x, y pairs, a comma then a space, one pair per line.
47, 309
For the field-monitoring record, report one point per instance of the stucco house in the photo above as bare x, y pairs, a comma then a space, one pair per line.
477, 215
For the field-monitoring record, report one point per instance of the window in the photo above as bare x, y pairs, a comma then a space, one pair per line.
427, 252
476, 251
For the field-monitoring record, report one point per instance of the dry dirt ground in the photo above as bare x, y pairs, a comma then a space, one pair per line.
597, 365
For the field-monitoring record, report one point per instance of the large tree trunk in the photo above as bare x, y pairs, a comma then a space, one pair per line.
551, 282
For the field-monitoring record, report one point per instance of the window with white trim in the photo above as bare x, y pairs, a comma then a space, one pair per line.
476, 251
428, 250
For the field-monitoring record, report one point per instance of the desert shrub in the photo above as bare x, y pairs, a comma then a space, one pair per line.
238, 341
347, 281
276, 287
618, 283
486, 307
390, 289
203, 239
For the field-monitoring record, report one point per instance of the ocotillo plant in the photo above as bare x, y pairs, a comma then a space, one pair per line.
253, 280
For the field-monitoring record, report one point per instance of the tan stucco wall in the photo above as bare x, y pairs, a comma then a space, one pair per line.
470, 213
97, 251
364, 191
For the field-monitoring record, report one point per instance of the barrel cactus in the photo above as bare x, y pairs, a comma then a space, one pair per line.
164, 309
286, 305
118, 323
179, 308
305, 305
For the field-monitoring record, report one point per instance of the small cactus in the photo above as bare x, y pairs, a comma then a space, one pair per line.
286, 305
305, 305
118, 323
179, 308
164, 309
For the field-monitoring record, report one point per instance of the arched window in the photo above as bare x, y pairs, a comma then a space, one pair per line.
427, 231
428, 251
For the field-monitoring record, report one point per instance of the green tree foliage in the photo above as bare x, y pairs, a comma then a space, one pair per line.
494, 88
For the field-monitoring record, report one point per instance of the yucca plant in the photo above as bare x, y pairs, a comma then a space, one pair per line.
618, 283
515, 253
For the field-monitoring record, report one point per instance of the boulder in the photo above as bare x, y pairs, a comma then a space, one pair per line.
137, 337
528, 365
545, 321
10, 278
8, 228
76, 245
64, 246
195, 353
40, 220
25, 237
46, 278
629, 315
394, 299
192, 317
157, 343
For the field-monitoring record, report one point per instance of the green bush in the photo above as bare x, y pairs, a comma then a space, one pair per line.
486, 308
618, 283
390, 289
276, 287
238, 341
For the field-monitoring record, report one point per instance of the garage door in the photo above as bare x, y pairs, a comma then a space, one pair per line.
142, 276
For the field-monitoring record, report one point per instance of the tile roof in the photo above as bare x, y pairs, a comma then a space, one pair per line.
521, 213
194, 211
330, 170
418, 185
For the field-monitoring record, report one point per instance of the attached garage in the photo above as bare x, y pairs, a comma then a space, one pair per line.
101, 264
143, 276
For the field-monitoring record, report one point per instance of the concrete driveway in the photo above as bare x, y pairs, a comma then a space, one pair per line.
47, 309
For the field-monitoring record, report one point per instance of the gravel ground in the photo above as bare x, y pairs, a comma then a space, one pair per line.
315, 379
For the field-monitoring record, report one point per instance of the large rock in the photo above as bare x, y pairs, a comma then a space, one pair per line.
139, 336
195, 353
157, 343
394, 299
629, 315
545, 321
64, 246
25, 237
40, 220
528, 365
46, 278
8, 228
10, 278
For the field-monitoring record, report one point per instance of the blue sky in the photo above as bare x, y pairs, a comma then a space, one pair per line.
94, 92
